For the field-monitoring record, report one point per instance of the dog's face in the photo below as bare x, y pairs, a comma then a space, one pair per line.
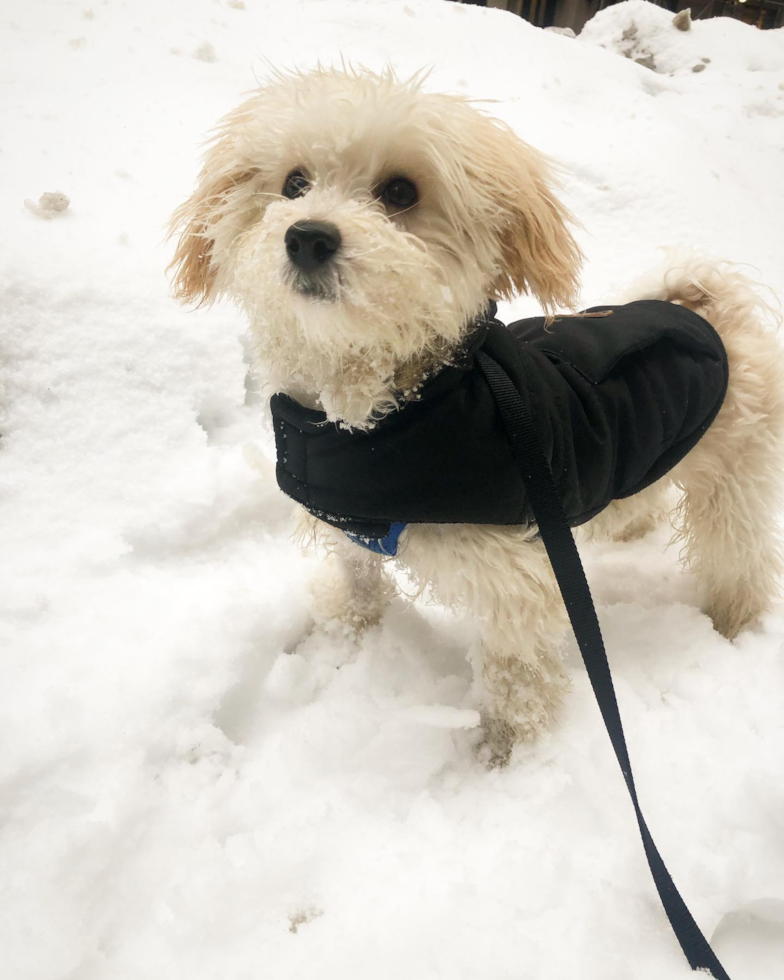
353, 215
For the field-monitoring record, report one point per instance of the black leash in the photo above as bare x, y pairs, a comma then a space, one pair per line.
562, 551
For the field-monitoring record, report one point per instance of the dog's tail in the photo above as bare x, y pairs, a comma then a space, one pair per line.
715, 289
732, 302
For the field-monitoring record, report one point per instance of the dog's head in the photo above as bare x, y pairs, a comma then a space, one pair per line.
356, 216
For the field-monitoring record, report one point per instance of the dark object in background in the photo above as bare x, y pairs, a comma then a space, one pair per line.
764, 14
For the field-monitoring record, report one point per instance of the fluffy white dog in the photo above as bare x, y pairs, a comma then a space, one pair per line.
411, 210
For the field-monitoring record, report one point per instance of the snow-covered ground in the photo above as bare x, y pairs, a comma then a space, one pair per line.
194, 783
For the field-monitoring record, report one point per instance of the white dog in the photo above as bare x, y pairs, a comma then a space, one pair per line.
412, 209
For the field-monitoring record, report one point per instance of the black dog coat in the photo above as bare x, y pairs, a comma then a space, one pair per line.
617, 401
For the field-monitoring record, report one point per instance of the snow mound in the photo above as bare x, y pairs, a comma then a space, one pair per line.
648, 36
49, 204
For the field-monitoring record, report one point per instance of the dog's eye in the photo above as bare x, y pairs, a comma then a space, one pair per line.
296, 184
400, 193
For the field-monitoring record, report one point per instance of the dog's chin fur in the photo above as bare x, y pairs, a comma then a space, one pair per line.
394, 302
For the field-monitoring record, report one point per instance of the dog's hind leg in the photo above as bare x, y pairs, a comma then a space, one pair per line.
727, 516
732, 480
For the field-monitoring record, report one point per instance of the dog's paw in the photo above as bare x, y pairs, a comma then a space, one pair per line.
500, 736
520, 703
734, 613
350, 590
336, 601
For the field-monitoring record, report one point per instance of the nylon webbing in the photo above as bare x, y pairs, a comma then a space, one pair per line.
565, 559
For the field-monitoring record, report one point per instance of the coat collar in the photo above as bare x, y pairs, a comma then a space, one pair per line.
313, 419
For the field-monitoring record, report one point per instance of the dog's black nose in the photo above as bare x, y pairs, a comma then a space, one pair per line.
310, 244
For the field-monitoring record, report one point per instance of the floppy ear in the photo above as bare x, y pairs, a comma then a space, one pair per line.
195, 222
538, 253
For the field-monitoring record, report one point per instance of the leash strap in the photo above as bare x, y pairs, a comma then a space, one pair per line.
565, 559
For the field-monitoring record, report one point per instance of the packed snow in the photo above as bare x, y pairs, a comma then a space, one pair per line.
198, 784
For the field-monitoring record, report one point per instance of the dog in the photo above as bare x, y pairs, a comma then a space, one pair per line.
363, 223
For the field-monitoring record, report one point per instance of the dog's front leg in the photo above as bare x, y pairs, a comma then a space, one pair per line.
350, 586
521, 681
503, 578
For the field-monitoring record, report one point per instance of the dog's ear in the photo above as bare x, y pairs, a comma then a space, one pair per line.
194, 224
538, 254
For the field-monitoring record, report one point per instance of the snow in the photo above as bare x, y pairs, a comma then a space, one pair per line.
195, 782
